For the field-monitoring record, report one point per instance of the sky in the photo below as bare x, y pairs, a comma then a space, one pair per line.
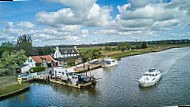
66, 22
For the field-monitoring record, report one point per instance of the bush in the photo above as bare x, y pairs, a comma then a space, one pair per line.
4, 72
37, 69
71, 62
38, 64
144, 45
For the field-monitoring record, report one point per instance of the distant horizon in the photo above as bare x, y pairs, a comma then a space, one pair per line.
102, 43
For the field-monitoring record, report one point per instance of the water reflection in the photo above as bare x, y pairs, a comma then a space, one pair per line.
21, 97
75, 91
109, 68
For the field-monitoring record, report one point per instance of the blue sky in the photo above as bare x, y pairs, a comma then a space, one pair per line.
57, 22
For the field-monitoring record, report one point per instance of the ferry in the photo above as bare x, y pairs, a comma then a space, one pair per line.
67, 76
109, 62
150, 78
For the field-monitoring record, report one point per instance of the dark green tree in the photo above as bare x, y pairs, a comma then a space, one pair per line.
143, 45
7, 44
25, 42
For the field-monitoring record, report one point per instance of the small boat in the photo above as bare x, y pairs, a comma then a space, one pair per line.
150, 78
108, 62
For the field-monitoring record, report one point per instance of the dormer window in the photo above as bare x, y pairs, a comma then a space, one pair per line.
43, 59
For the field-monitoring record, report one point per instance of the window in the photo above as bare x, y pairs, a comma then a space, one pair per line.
29, 60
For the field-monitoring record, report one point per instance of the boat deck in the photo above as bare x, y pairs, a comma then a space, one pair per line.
72, 85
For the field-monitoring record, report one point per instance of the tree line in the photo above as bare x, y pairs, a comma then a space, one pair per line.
127, 46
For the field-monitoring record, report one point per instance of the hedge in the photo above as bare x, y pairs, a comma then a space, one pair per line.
37, 69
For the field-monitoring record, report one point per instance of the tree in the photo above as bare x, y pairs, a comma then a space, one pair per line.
143, 45
13, 58
47, 50
7, 44
128, 46
24, 40
122, 49
119, 46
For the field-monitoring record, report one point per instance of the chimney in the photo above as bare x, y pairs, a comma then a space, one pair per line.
57, 48
75, 47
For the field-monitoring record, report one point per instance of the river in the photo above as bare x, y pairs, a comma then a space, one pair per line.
118, 86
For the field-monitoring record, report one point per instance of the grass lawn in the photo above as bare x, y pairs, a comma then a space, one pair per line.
9, 84
12, 88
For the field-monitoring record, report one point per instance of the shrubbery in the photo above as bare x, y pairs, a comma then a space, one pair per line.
38, 64
71, 62
37, 69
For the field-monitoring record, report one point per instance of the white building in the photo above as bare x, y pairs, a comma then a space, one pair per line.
45, 61
64, 53
24, 68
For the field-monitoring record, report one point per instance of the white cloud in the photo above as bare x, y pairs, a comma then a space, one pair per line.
10, 24
80, 12
47, 36
140, 17
84, 33
76, 4
27, 25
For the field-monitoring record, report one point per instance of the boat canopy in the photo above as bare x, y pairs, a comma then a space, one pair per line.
152, 69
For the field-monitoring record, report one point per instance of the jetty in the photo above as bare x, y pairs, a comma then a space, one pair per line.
93, 64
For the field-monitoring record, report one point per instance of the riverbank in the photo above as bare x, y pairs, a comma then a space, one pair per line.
10, 86
119, 54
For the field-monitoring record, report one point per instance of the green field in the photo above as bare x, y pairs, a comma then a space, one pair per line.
9, 85
85, 49
151, 48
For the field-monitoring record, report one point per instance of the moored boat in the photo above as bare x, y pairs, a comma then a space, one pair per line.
108, 62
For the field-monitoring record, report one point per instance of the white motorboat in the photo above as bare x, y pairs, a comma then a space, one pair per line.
150, 78
108, 62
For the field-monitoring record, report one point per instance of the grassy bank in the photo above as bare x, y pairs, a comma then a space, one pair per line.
154, 48
118, 54
10, 85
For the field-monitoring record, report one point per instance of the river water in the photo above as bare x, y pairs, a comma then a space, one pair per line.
118, 86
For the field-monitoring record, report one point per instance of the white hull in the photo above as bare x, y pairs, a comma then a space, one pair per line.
109, 65
150, 83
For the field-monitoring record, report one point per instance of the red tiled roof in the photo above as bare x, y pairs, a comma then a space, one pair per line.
48, 57
38, 59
